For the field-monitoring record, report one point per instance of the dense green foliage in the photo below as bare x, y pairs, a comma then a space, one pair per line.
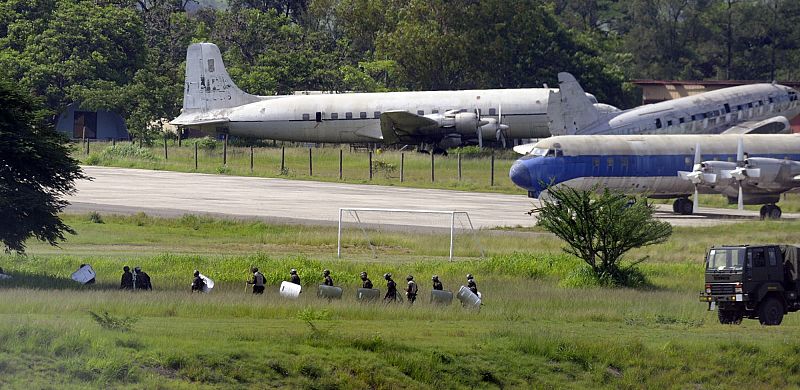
36, 171
127, 55
600, 228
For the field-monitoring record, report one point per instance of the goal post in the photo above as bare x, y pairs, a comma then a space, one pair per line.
354, 212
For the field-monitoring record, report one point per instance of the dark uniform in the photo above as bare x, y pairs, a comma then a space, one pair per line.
437, 284
127, 279
294, 278
391, 289
258, 281
141, 279
365, 282
411, 290
328, 280
471, 285
198, 283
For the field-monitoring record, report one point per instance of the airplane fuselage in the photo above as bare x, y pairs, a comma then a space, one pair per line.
646, 164
707, 113
355, 117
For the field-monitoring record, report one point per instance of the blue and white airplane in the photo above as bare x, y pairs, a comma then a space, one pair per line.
751, 169
747, 109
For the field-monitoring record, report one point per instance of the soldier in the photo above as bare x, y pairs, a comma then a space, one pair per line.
141, 279
411, 290
391, 289
198, 283
365, 282
471, 284
328, 280
294, 278
127, 279
437, 285
258, 281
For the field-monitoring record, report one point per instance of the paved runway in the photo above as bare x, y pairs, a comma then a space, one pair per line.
163, 193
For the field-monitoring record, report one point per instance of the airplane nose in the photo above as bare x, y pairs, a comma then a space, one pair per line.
520, 175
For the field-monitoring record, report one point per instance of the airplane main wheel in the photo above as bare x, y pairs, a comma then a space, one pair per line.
683, 206
770, 211
763, 211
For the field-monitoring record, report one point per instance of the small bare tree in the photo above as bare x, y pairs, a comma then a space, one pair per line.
601, 227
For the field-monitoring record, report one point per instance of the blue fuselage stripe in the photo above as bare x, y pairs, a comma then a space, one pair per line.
545, 171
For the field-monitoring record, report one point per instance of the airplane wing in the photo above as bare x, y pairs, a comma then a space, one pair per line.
524, 149
396, 124
774, 125
198, 120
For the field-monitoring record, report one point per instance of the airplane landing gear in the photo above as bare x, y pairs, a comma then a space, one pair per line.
770, 211
683, 206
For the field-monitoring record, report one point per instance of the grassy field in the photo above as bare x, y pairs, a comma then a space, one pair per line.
534, 329
475, 170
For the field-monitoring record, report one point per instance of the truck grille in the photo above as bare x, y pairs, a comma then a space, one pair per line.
722, 288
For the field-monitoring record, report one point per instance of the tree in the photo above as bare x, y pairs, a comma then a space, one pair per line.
600, 228
36, 171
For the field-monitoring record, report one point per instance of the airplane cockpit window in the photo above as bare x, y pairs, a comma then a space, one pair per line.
377, 114
434, 111
539, 152
420, 112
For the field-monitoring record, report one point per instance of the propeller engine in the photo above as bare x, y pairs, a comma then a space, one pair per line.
496, 127
741, 173
698, 176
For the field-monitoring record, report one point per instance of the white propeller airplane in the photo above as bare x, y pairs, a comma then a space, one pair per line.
436, 119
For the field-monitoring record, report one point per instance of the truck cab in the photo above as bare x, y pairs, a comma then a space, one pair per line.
751, 281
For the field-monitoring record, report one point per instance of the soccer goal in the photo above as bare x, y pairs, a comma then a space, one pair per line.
370, 219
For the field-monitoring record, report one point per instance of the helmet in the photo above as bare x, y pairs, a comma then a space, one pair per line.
126, 268
469, 276
254, 269
363, 275
196, 273
138, 269
410, 277
326, 272
293, 271
387, 276
435, 277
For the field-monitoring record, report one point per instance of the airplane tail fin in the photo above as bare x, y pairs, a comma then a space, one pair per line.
569, 109
207, 85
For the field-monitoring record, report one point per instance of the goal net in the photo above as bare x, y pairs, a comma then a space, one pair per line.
365, 224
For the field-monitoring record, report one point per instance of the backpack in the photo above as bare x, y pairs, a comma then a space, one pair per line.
413, 286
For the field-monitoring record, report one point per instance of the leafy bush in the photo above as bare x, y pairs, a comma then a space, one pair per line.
206, 143
223, 170
111, 322
126, 150
93, 159
385, 167
95, 217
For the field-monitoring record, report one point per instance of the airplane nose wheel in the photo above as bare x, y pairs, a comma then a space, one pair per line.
683, 206
770, 211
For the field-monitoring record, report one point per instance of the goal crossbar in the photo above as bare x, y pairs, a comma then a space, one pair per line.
452, 214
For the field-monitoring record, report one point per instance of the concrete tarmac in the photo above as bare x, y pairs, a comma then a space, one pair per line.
163, 193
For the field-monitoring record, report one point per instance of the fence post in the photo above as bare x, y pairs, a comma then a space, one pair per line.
340, 164
370, 165
251, 158
459, 166
225, 151
433, 178
87, 145
114, 142
195, 155
310, 165
283, 158
166, 155
180, 133
491, 181
402, 166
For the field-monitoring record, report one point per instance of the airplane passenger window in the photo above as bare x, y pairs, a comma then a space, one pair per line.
434, 111
348, 115
211, 65
681, 120
771, 101
305, 117
658, 123
610, 162
596, 162
377, 114
335, 115
492, 111
669, 123
363, 115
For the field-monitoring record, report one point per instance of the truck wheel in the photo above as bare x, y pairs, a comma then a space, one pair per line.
770, 312
731, 317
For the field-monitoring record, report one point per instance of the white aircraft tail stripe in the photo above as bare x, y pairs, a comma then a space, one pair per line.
207, 85
569, 109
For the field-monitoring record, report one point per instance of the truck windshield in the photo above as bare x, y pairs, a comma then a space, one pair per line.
727, 259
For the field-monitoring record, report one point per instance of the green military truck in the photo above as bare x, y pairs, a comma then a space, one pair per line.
753, 281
